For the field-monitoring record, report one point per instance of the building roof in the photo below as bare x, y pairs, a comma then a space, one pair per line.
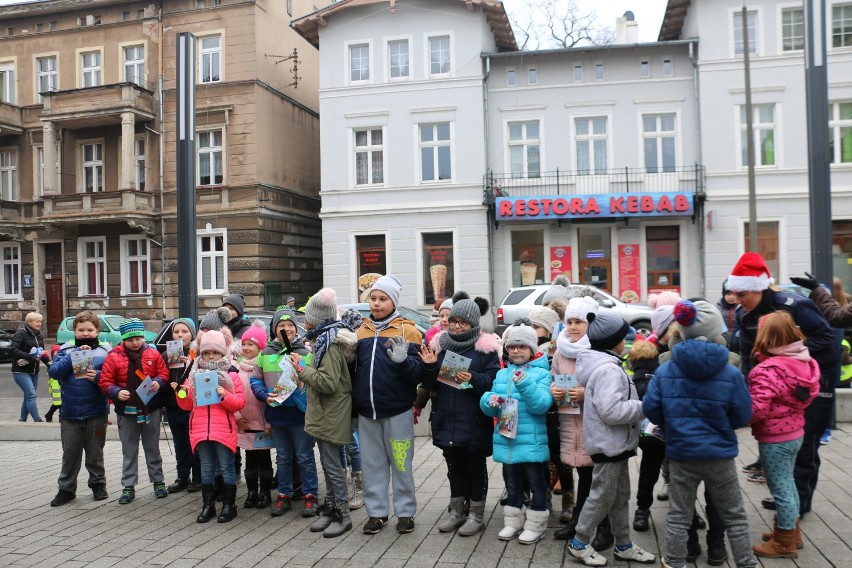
495, 14
604, 47
35, 8
673, 19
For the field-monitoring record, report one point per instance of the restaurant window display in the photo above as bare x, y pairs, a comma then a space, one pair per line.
663, 247
438, 267
527, 258
595, 262
767, 245
371, 254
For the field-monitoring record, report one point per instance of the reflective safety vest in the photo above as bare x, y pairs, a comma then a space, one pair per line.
846, 370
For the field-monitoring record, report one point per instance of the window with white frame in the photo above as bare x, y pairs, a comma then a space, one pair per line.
210, 158
359, 62
135, 266
792, 29
92, 262
39, 158
532, 76
660, 142
590, 136
134, 64
511, 77
369, 156
578, 73
763, 120
525, 149
7, 83
841, 25
210, 59
435, 152
139, 159
47, 75
439, 55
8, 175
10, 275
93, 167
668, 67
398, 58
212, 261
599, 72
840, 130
90, 69
645, 69
738, 32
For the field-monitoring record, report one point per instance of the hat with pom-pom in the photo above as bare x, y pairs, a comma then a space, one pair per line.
213, 340
215, 319
750, 274
698, 319
321, 307
559, 290
256, 335
469, 310
580, 308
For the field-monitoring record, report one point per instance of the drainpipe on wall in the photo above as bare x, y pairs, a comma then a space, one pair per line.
162, 156
699, 177
488, 229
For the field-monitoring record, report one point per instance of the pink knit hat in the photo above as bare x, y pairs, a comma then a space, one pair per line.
213, 341
256, 335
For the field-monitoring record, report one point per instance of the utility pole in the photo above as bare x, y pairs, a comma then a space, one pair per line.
819, 171
185, 150
749, 116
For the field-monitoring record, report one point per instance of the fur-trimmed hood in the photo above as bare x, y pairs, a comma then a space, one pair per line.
487, 343
348, 342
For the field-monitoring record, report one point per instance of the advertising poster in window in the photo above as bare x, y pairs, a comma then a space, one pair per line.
437, 267
629, 283
560, 263
527, 258
372, 262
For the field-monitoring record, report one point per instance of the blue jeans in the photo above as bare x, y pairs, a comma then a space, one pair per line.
534, 473
291, 442
350, 454
778, 462
28, 383
216, 458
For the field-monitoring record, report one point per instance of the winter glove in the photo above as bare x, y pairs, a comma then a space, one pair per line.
494, 401
810, 282
397, 349
417, 410
518, 376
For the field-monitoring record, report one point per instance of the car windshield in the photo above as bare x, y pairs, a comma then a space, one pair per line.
515, 296
113, 321
416, 317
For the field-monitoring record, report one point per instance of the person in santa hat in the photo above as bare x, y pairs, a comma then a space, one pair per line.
758, 296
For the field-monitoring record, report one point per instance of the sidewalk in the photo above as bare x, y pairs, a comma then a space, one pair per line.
151, 532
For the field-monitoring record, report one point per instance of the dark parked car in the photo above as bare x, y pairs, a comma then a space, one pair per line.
5, 344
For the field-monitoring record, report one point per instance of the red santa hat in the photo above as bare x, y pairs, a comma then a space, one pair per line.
750, 274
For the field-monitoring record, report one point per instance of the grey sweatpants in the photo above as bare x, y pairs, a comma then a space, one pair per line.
609, 496
129, 432
80, 436
387, 451
336, 488
720, 479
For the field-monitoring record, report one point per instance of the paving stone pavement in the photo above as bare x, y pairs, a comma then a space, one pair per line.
162, 532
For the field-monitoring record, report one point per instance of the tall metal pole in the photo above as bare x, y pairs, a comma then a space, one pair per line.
752, 192
819, 171
187, 254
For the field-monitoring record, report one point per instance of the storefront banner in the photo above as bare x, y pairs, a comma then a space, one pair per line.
598, 206
629, 282
560, 262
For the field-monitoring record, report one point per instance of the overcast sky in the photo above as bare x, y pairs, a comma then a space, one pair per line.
649, 13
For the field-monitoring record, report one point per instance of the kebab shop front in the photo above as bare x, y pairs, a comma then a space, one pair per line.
630, 245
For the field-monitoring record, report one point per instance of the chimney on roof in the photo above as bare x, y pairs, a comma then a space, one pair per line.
626, 28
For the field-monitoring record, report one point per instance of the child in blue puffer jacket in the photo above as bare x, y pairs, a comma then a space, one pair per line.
520, 398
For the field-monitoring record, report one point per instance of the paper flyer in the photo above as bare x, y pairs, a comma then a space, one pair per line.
144, 390
261, 440
174, 351
205, 388
81, 362
566, 406
452, 365
286, 384
508, 424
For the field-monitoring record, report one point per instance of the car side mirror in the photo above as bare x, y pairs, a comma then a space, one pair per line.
607, 303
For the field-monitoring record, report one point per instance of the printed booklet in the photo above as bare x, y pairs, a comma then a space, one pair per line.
174, 351
205, 388
144, 390
452, 365
286, 384
566, 405
81, 362
508, 424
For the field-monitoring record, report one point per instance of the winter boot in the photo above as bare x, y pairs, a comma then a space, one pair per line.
356, 498
264, 498
534, 527
326, 516
474, 522
567, 504
603, 538
252, 495
455, 515
800, 544
781, 545
229, 508
513, 522
219, 480
341, 521
209, 509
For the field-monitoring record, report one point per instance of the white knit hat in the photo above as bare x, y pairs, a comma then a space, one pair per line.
579, 308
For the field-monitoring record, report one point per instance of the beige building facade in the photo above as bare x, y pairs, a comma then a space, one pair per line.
88, 162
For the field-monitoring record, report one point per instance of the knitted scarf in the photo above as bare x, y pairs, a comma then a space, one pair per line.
223, 365
459, 342
383, 323
570, 349
322, 337
134, 364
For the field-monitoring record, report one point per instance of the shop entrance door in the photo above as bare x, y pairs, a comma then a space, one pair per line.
596, 273
595, 260
53, 280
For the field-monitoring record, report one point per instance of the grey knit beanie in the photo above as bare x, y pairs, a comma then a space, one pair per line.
321, 307
606, 330
214, 320
466, 310
698, 319
544, 317
522, 335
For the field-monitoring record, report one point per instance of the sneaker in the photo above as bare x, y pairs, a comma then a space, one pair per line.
663, 495
99, 492
753, 468
405, 525
634, 554
826, 437
127, 495
756, 478
310, 508
375, 524
62, 497
160, 490
587, 555
281, 506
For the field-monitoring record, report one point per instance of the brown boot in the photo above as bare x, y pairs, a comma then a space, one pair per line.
781, 545
799, 542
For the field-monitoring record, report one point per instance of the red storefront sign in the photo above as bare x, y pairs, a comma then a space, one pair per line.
560, 262
629, 273
593, 206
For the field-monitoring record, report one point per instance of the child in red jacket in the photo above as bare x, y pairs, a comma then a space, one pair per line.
782, 386
125, 368
212, 428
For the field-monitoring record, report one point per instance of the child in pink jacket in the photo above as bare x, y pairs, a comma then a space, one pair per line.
782, 386
212, 428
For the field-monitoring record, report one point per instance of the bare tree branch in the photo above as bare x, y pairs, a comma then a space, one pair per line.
557, 24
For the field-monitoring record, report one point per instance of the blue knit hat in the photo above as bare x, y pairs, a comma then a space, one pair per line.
131, 327
188, 323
